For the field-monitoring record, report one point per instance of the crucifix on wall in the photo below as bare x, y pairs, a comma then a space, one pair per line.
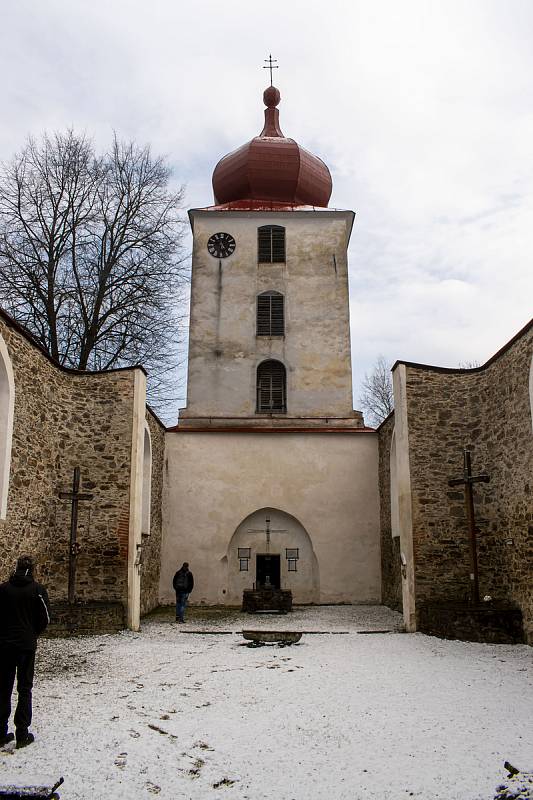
267, 530
74, 496
468, 481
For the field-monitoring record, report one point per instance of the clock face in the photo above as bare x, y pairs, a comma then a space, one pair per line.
221, 245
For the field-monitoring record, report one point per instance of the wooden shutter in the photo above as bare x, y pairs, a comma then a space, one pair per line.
271, 387
270, 314
271, 244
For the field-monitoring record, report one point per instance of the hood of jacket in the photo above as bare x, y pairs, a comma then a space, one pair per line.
21, 579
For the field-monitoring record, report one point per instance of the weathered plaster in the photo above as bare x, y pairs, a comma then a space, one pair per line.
326, 482
224, 351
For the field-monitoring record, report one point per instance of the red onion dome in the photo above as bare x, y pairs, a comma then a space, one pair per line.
272, 168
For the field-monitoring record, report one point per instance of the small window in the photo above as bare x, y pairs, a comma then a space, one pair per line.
292, 565
270, 314
243, 564
271, 388
271, 244
292, 553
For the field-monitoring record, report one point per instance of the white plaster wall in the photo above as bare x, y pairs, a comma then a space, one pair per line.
403, 499
327, 482
224, 351
136, 498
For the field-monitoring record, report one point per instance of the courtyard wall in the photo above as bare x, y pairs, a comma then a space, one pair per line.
488, 411
62, 419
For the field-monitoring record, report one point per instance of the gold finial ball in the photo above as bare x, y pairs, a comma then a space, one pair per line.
271, 97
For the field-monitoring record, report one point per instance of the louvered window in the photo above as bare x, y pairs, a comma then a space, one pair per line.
271, 392
271, 244
270, 316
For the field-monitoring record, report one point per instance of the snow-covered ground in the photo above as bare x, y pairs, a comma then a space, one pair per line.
341, 715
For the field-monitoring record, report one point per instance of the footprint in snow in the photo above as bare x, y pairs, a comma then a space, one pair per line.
194, 771
223, 782
202, 746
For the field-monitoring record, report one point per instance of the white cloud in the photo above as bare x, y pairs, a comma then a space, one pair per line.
422, 110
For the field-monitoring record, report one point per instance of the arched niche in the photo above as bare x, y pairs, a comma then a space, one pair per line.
7, 406
147, 482
288, 537
531, 390
394, 504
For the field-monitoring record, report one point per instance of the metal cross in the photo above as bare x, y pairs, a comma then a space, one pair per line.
468, 481
267, 531
270, 61
75, 496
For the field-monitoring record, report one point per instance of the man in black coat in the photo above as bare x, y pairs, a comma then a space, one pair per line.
183, 583
24, 614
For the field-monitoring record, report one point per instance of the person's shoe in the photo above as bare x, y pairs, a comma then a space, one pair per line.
24, 741
6, 739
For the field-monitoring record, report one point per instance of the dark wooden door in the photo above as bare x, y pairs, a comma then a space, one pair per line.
268, 571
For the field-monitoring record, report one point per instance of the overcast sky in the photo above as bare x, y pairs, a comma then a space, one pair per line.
422, 110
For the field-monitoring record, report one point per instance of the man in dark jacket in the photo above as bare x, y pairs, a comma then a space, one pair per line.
24, 614
183, 584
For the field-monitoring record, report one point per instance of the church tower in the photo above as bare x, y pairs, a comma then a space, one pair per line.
270, 476
269, 341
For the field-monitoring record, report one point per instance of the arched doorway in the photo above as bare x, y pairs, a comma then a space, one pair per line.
271, 546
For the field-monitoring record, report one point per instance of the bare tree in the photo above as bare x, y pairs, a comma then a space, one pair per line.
91, 255
377, 399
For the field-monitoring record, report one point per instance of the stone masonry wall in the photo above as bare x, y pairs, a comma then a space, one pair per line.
391, 579
486, 410
63, 419
151, 560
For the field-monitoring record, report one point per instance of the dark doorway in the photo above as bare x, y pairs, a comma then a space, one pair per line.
267, 571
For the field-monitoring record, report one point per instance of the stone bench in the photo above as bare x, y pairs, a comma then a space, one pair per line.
277, 637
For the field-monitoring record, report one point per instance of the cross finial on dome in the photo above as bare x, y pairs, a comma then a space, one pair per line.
270, 61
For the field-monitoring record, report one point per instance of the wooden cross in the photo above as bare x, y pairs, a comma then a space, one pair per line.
270, 61
75, 496
267, 531
468, 481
